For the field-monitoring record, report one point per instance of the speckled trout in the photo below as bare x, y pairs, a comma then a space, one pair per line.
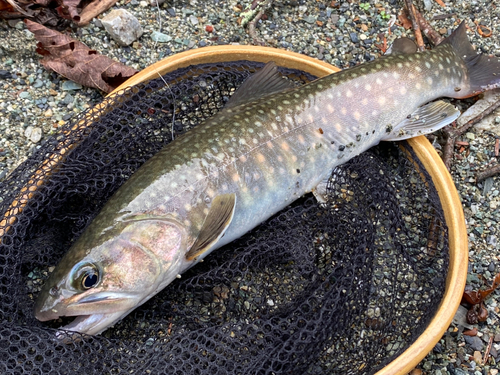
271, 144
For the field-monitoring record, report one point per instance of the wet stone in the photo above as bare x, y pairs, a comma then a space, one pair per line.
354, 37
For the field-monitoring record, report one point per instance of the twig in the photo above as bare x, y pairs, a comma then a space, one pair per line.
478, 118
416, 29
488, 349
428, 30
449, 146
488, 173
251, 15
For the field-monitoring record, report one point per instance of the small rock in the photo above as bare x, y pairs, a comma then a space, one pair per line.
48, 113
492, 240
25, 95
428, 5
122, 26
474, 342
70, 85
470, 136
309, 19
354, 37
497, 120
37, 84
34, 134
156, 36
171, 12
5, 74
193, 20
493, 371
478, 358
496, 338
209, 28
362, 36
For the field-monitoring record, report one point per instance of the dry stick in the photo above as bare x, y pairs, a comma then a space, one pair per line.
428, 30
252, 23
488, 349
488, 173
410, 9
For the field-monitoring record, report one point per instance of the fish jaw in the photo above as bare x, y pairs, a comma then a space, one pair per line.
127, 271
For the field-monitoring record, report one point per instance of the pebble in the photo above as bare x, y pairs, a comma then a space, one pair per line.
160, 37
70, 85
122, 26
34, 134
474, 342
193, 20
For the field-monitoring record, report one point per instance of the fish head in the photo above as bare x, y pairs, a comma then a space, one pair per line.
101, 284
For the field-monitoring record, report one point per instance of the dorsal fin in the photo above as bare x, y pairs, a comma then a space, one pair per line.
216, 223
262, 83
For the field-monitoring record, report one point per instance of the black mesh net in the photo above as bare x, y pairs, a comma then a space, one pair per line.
340, 288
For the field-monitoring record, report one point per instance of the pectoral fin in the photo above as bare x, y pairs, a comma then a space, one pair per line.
425, 120
217, 221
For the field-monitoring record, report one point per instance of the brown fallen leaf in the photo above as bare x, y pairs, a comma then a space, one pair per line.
74, 60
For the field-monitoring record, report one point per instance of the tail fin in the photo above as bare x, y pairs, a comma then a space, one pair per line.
483, 71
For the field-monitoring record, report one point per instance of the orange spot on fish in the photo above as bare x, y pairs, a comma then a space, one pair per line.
261, 158
285, 146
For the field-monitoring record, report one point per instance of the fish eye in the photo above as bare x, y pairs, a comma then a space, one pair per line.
85, 276
89, 279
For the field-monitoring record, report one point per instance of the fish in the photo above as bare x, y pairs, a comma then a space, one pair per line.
272, 143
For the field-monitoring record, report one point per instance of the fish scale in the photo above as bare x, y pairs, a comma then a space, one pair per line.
271, 144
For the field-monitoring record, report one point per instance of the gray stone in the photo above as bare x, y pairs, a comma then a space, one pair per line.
309, 19
122, 26
193, 20
160, 37
70, 85
474, 342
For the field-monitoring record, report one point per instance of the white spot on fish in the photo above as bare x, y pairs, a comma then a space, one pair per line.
381, 100
343, 110
357, 115
418, 69
348, 93
429, 80
368, 87
330, 108
402, 90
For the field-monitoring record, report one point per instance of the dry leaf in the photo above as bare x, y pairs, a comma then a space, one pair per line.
74, 60
404, 20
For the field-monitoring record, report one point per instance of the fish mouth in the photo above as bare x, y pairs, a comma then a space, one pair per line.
92, 324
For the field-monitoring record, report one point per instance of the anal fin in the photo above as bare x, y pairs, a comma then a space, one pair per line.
216, 223
424, 120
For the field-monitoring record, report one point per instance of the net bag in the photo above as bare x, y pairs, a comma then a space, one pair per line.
338, 288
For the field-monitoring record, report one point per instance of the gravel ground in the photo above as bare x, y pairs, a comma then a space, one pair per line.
34, 103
